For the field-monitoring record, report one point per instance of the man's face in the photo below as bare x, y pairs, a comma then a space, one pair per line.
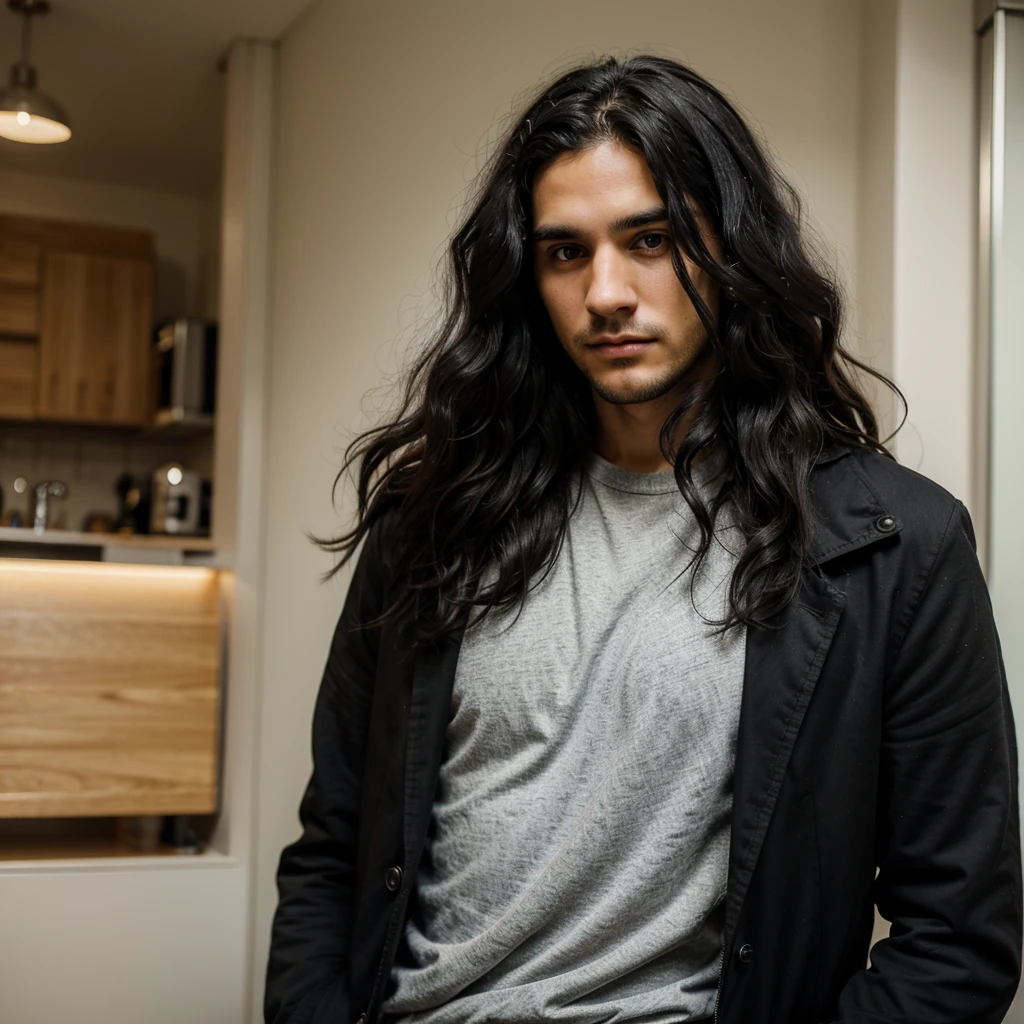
604, 268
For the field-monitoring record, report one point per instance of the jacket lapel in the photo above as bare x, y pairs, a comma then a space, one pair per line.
429, 710
783, 664
782, 667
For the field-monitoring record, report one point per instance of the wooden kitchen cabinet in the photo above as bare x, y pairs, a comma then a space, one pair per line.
94, 339
18, 376
19, 310
19, 261
76, 320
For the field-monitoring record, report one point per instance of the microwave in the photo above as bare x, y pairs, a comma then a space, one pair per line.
186, 372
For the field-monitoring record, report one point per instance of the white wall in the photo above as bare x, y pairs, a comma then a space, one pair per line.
916, 238
934, 236
383, 113
102, 941
240, 457
180, 223
876, 183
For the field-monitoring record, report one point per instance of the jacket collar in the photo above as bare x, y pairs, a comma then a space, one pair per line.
849, 513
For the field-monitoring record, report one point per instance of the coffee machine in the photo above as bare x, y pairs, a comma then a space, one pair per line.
180, 501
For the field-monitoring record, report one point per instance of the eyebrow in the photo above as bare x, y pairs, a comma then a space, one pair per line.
558, 232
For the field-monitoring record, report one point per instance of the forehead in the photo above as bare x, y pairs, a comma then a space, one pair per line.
593, 185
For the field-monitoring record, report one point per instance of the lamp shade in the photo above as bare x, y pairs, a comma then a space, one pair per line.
26, 115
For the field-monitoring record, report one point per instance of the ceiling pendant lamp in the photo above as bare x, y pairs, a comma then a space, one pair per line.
26, 115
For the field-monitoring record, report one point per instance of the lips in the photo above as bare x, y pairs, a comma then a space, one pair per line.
623, 347
619, 339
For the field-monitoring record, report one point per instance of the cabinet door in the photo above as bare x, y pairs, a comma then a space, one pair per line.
94, 339
19, 287
19, 262
17, 379
18, 313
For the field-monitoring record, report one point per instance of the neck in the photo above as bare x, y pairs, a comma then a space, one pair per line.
629, 440
627, 435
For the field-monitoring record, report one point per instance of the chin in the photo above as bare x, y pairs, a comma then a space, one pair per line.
632, 392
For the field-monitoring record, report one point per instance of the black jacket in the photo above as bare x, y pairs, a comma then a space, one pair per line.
875, 733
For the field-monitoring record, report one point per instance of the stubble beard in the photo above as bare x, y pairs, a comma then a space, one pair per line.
634, 393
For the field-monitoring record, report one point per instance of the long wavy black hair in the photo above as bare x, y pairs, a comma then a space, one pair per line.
475, 468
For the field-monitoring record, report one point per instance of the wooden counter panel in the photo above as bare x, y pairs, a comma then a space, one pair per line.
109, 689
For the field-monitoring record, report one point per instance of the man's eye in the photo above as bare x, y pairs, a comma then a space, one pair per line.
562, 248
659, 239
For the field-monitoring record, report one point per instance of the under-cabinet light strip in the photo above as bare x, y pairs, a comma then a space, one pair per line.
167, 572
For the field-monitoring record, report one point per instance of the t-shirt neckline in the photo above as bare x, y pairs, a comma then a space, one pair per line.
630, 480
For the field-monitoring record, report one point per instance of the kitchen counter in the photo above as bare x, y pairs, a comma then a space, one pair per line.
110, 694
22, 542
162, 542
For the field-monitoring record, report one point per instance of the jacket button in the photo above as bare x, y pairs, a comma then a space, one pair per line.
885, 524
746, 953
393, 879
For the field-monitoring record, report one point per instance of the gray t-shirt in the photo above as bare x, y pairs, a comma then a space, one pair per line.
577, 860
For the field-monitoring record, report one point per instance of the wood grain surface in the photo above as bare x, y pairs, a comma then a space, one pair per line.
19, 310
84, 293
109, 689
18, 378
95, 356
19, 260
23, 238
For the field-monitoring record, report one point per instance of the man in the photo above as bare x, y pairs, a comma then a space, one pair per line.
656, 673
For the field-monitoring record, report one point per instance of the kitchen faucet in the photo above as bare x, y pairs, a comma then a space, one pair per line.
44, 492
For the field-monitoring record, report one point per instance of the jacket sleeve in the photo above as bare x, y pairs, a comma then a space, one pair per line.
307, 968
949, 867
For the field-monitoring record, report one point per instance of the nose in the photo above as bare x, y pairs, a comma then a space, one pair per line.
610, 291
